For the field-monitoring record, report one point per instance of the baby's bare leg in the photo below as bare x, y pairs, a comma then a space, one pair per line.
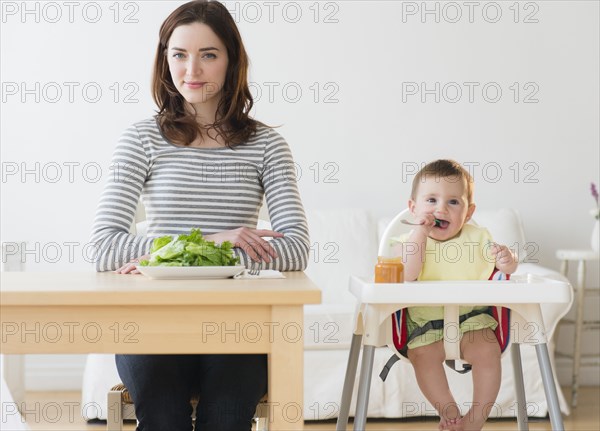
480, 349
429, 369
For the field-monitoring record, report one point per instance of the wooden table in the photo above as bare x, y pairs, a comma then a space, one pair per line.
111, 313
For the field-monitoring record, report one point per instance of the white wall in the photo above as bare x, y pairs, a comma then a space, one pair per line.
360, 149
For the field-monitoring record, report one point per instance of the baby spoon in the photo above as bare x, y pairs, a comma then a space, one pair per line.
437, 223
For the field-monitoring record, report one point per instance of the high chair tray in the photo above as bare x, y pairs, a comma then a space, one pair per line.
520, 289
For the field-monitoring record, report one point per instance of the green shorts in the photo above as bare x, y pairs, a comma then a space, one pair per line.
474, 323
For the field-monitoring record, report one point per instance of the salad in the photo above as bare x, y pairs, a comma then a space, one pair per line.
190, 250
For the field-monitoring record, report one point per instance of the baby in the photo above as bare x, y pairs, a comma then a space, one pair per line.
442, 203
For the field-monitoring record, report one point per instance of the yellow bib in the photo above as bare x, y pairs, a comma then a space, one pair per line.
464, 257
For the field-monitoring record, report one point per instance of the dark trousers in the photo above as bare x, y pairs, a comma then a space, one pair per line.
229, 387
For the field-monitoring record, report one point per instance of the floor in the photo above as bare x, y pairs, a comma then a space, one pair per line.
61, 411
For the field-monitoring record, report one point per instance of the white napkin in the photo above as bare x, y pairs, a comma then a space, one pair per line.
265, 273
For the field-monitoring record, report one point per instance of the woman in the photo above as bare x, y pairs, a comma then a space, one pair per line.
201, 162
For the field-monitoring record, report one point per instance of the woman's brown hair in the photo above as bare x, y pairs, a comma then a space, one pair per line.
232, 120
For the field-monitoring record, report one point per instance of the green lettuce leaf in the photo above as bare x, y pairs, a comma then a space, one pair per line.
160, 242
190, 250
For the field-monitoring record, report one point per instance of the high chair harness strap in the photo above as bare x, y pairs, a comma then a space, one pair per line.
432, 324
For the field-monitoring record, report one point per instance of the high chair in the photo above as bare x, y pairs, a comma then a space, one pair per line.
522, 295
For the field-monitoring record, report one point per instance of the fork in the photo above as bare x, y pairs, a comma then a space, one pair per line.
437, 223
255, 268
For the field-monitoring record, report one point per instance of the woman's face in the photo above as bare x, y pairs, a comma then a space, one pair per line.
198, 63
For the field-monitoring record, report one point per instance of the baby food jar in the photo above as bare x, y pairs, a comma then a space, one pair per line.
389, 270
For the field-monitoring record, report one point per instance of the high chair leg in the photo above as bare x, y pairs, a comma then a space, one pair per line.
522, 421
342, 421
549, 387
364, 387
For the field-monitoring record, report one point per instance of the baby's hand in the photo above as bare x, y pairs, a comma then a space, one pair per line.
506, 260
426, 222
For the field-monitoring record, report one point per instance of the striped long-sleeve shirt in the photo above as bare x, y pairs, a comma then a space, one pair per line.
214, 189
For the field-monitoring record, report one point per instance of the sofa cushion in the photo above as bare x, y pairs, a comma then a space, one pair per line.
342, 242
328, 326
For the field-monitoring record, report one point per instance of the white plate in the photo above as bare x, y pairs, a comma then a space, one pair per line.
189, 272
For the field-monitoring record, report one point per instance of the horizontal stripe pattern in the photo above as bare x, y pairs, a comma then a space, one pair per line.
214, 189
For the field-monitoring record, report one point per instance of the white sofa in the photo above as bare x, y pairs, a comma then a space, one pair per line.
345, 242
10, 418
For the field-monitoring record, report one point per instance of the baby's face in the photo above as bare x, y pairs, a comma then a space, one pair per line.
445, 198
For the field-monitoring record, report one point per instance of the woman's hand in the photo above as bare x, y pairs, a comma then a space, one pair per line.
506, 260
129, 268
249, 240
